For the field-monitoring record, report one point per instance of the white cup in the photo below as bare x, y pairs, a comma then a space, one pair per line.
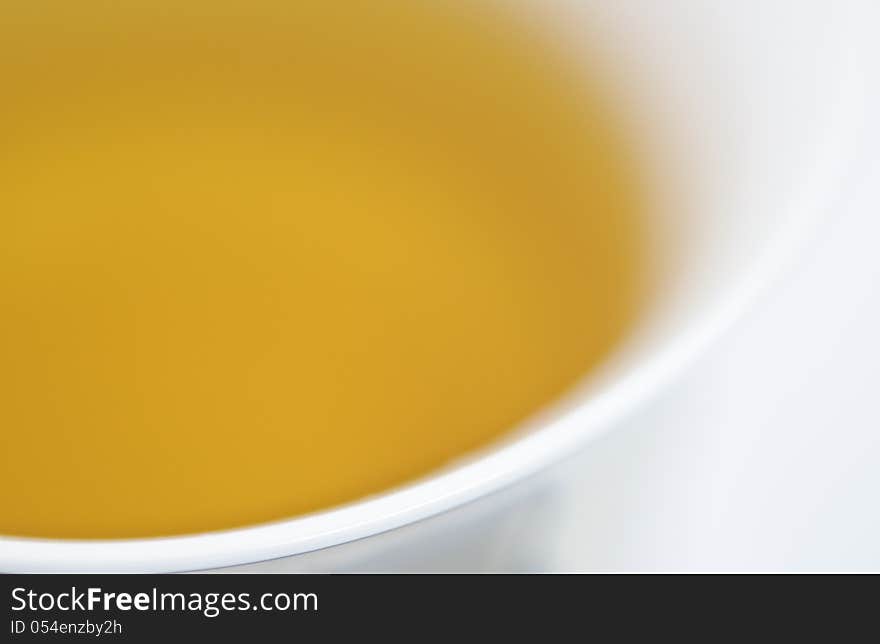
746, 115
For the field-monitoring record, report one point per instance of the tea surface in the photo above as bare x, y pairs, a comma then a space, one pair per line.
262, 258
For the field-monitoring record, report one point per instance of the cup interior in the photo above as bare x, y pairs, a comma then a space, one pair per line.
743, 114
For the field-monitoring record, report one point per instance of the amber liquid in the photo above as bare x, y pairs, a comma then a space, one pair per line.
262, 258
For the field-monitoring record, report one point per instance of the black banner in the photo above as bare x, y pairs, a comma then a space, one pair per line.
258, 608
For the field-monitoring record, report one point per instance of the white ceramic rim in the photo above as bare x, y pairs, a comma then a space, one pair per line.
501, 465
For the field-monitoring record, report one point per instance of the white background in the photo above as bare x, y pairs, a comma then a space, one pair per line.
766, 455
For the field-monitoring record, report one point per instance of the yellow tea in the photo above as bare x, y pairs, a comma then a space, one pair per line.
262, 258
